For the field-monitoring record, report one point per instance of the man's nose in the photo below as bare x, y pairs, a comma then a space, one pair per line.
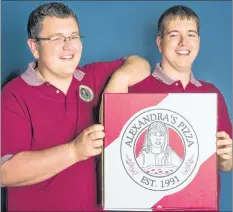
183, 40
67, 39
67, 43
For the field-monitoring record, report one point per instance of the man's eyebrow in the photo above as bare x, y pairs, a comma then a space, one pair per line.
194, 31
172, 31
60, 34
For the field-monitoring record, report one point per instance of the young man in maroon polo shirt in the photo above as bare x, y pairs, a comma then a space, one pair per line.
49, 135
178, 40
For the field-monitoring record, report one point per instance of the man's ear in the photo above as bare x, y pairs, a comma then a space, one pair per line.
33, 47
159, 41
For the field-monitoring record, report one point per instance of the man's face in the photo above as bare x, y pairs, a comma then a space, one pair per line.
59, 58
180, 43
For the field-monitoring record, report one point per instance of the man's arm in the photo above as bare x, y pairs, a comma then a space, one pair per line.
28, 168
31, 167
224, 136
134, 70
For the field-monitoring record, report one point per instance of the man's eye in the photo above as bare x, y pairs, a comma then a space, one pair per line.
56, 38
74, 37
192, 35
172, 35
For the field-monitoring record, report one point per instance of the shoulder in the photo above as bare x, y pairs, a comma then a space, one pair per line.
145, 85
14, 94
97, 74
90, 66
209, 87
15, 86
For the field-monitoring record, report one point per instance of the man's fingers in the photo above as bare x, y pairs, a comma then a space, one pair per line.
227, 150
94, 128
225, 156
96, 135
224, 142
96, 151
98, 143
222, 135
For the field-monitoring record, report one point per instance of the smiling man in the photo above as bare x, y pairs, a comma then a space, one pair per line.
49, 136
178, 40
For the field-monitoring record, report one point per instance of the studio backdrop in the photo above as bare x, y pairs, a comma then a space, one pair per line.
113, 29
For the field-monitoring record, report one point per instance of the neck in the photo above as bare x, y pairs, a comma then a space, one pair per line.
177, 74
60, 82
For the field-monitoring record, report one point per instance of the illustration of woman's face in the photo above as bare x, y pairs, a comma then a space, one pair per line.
157, 139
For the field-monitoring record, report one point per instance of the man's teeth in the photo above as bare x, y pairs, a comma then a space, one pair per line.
67, 57
183, 52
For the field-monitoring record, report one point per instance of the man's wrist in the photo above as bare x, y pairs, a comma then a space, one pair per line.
72, 153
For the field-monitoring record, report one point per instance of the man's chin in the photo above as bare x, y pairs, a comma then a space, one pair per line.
184, 67
66, 73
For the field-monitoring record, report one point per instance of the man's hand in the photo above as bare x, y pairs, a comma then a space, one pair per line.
224, 151
89, 143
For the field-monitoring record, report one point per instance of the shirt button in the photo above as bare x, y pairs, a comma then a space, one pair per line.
177, 83
57, 91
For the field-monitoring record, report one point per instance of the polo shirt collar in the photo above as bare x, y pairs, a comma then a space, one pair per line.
31, 78
160, 75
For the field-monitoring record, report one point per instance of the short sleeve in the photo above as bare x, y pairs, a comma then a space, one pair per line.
16, 132
103, 72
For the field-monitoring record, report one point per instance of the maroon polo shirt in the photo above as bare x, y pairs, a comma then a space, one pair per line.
159, 82
37, 116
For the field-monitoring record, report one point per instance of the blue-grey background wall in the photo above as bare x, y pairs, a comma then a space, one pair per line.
121, 28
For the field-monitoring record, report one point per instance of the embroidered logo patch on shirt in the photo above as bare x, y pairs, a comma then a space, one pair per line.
85, 93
